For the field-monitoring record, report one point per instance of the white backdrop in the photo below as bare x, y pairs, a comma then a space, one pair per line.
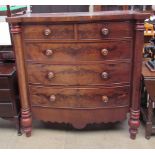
4, 32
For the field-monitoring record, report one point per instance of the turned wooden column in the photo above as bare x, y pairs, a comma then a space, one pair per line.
134, 122
26, 120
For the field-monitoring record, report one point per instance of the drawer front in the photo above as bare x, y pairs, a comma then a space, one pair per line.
79, 97
49, 32
6, 110
5, 95
104, 30
107, 50
4, 83
85, 74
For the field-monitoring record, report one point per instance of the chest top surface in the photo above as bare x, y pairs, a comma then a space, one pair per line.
79, 16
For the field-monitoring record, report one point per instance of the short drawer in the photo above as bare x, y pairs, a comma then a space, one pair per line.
107, 97
4, 83
48, 32
105, 30
5, 95
107, 50
79, 74
6, 109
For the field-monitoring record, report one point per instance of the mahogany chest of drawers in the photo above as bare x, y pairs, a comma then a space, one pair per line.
79, 68
9, 101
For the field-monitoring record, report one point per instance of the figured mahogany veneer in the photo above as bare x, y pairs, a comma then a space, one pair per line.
79, 74
79, 68
80, 97
89, 51
84, 31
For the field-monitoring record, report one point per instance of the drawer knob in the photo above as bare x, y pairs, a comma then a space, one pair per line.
52, 98
47, 32
48, 52
105, 31
105, 99
105, 75
104, 52
50, 75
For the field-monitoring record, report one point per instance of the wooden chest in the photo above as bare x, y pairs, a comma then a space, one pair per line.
79, 68
9, 101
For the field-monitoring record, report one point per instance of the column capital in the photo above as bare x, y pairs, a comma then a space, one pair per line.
139, 26
15, 29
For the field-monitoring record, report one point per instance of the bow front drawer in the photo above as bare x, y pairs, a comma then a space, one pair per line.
79, 74
71, 52
107, 97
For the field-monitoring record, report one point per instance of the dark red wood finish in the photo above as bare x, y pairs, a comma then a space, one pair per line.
9, 101
79, 68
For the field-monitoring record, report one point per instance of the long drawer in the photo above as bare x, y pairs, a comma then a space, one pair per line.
60, 97
98, 30
107, 50
79, 74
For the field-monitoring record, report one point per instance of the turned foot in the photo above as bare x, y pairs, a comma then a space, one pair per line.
26, 122
134, 123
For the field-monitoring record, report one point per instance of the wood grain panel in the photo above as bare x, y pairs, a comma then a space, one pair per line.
116, 30
79, 118
57, 31
79, 97
79, 51
79, 74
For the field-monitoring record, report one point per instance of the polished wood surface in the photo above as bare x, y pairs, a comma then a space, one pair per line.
26, 120
49, 32
79, 74
104, 97
73, 52
84, 31
79, 68
86, 116
79, 17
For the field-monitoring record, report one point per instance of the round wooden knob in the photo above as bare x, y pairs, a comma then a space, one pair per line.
105, 75
104, 52
47, 32
105, 99
105, 31
50, 75
52, 98
48, 52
